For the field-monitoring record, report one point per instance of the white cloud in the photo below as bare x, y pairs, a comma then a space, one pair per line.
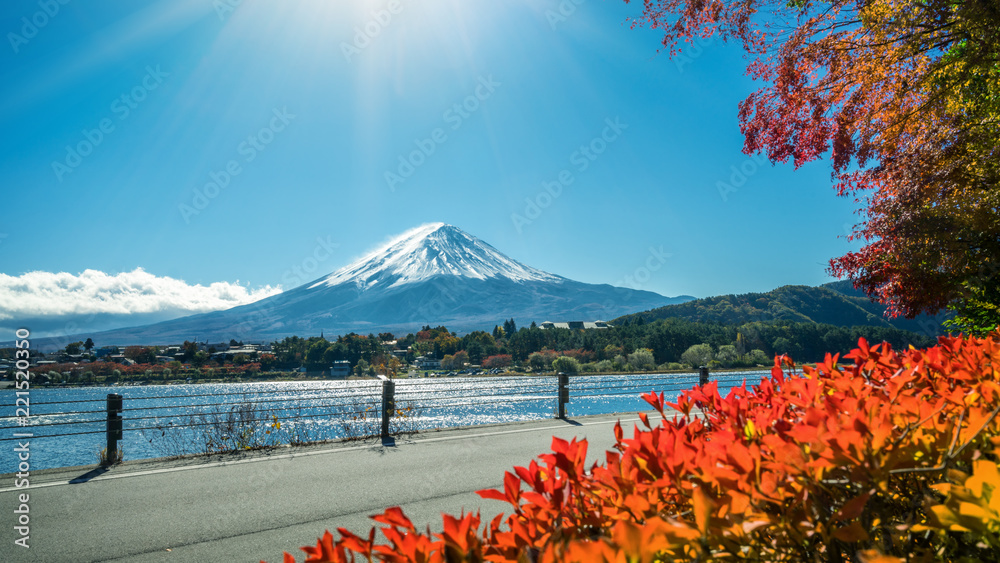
46, 302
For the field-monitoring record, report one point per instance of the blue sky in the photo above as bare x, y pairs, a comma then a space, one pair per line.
117, 114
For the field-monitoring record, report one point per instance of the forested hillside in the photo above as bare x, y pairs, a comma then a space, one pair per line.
836, 303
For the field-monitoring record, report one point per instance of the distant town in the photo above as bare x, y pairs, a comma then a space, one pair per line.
431, 352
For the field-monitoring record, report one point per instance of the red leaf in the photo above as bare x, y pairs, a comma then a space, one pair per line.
324, 551
394, 517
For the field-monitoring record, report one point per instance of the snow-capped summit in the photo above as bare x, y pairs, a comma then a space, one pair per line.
435, 249
434, 275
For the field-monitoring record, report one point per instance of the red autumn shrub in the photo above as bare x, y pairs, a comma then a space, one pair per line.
497, 361
891, 458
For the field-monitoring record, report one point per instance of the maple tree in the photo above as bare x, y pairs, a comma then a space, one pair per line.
904, 97
893, 458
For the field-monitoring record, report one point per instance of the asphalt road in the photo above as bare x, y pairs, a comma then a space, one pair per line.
254, 507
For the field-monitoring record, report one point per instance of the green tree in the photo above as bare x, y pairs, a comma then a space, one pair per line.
479, 345
88, 345
783, 345
741, 346
619, 362
200, 358
315, 359
140, 354
543, 361
189, 349
611, 351
336, 351
727, 355
566, 364
759, 357
509, 326
604, 365
642, 359
697, 355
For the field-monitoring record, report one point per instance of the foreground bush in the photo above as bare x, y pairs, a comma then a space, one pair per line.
891, 458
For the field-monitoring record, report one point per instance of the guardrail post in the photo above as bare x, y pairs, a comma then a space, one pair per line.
563, 395
703, 375
114, 428
388, 404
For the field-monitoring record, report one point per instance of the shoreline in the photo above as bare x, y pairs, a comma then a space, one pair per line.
7, 384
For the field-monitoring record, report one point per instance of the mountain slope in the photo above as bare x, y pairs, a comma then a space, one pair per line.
435, 274
836, 303
428, 251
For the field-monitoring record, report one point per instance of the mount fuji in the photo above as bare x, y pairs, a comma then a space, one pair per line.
435, 274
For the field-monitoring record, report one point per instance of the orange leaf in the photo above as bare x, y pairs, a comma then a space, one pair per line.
394, 517
324, 551
492, 494
702, 506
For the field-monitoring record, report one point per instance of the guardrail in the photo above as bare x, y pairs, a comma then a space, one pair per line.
374, 405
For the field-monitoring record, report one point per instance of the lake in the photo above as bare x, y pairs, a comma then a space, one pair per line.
68, 424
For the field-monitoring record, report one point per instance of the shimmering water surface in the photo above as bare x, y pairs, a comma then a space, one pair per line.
68, 425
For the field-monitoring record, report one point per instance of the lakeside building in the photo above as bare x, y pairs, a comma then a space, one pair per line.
228, 355
105, 351
121, 359
580, 325
340, 368
428, 362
